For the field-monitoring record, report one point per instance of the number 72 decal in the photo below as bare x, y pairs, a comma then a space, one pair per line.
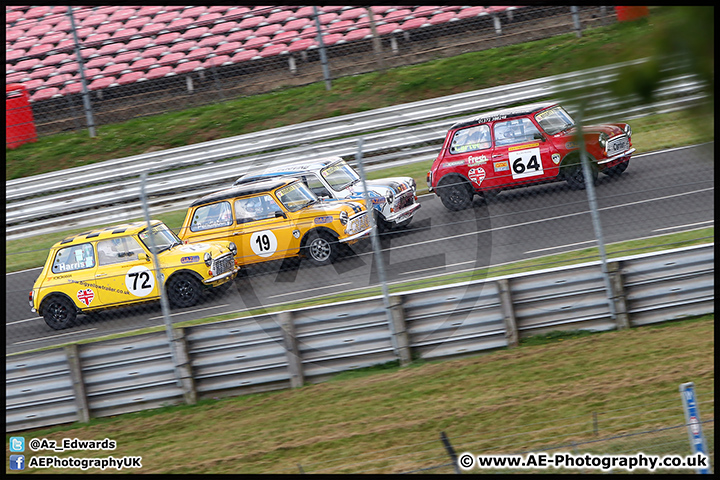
525, 163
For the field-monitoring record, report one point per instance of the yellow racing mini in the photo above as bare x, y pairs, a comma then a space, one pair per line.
113, 266
273, 219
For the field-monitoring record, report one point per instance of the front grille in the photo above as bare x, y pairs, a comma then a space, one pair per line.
358, 223
404, 201
617, 145
223, 264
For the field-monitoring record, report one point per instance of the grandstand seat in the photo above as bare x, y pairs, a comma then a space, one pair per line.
38, 30
115, 69
110, 49
340, 27
196, 32
13, 34
244, 56
298, 24
159, 72
358, 34
39, 50
143, 64
471, 12
443, 17
57, 59
70, 88
44, 94
188, 67
239, 36
426, 11
256, 42
380, 9
286, 36
41, 72
14, 54
228, 48
211, 41
127, 56
131, 77
27, 64
13, 16
58, 80
15, 77
122, 14
81, 13
414, 23
124, 34
152, 29
179, 24
101, 83
332, 38
96, 62
167, 38
219, 9
183, 46
279, 17
326, 18
156, 51
36, 12
224, 27
216, 61
170, 8
276, 49
387, 28
353, 13
236, 13
207, 19
193, 12
304, 12
268, 30
68, 67
53, 38
32, 84
330, 9
166, 17
251, 22
149, 10
138, 43
398, 15
171, 58
137, 22
26, 43
97, 39
94, 20
199, 53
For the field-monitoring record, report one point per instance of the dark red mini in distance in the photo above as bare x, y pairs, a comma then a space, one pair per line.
522, 146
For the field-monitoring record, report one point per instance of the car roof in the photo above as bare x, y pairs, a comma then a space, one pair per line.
259, 186
106, 232
288, 169
503, 113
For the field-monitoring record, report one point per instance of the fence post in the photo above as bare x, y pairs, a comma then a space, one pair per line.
506, 306
183, 366
617, 286
399, 329
293, 353
81, 401
451, 452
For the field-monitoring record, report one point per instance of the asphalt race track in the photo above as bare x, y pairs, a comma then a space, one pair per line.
662, 192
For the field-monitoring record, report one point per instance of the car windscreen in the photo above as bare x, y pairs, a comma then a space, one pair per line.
554, 120
163, 237
295, 196
339, 175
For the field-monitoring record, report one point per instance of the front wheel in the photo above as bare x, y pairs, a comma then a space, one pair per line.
617, 170
59, 313
321, 248
184, 290
575, 177
455, 193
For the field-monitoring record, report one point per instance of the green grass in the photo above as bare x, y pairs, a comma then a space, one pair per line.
507, 400
470, 71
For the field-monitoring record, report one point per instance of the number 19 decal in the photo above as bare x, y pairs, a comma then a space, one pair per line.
526, 163
263, 243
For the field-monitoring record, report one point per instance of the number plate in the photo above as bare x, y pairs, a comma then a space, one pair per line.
618, 145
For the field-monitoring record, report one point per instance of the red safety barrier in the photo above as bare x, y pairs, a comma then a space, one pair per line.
626, 14
19, 121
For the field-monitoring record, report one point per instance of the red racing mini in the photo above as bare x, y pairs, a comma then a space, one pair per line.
521, 146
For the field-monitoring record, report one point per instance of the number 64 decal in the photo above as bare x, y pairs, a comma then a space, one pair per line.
526, 163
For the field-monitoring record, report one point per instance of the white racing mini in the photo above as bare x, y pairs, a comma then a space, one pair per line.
394, 200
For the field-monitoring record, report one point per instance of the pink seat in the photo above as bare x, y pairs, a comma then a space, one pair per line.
12, 17
379, 10
121, 14
81, 13
415, 23
194, 33
110, 49
39, 50
171, 58
154, 51
398, 15
180, 24
328, 9
238, 36
244, 56
12, 55
71, 88
210, 41
69, 67
268, 30
471, 12
41, 72
166, 17
386, 28
26, 43
138, 43
102, 82
444, 17
219, 9
149, 10
286, 36
128, 56
115, 69
152, 29
193, 12
426, 11
298, 24
251, 22
304, 12
13, 34
137, 22
26, 65
96, 40
340, 27
159, 72
131, 77
216, 61
353, 14
53, 38
56, 58
223, 27
124, 34
44, 94
94, 20
16, 77
207, 19
279, 17
58, 80
358, 34
188, 67
33, 84
227, 48
326, 18
143, 64
332, 38
276, 49
167, 38
36, 12
96, 62
199, 53
182, 46
256, 42
38, 30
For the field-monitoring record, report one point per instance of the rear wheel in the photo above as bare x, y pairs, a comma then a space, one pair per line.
184, 290
455, 193
617, 170
321, 248
59, 313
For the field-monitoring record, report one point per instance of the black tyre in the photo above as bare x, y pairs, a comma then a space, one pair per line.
184, 290
59, 313
321, 248
617, 170
575, 178
455, 193
404, 223
382, 225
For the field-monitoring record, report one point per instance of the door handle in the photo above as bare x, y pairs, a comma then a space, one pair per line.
101, 275
495, 156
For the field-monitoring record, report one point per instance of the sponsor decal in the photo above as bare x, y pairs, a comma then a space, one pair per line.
477, 175
490, 119
377, 201
86, 296
571, 145
555, 158
325, 219
296, 233
501, 166
454, 163
521, 147
471, 161
194, 247
190, 259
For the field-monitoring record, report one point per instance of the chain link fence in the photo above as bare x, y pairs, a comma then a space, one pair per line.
139, 61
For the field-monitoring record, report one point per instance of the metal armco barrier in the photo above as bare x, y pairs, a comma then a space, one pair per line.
287, 349
400, 134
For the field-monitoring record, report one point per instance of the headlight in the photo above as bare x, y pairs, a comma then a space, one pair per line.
628, 130
413, 185
208, 259
602, 140
343, 217
390, 198
233, 249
